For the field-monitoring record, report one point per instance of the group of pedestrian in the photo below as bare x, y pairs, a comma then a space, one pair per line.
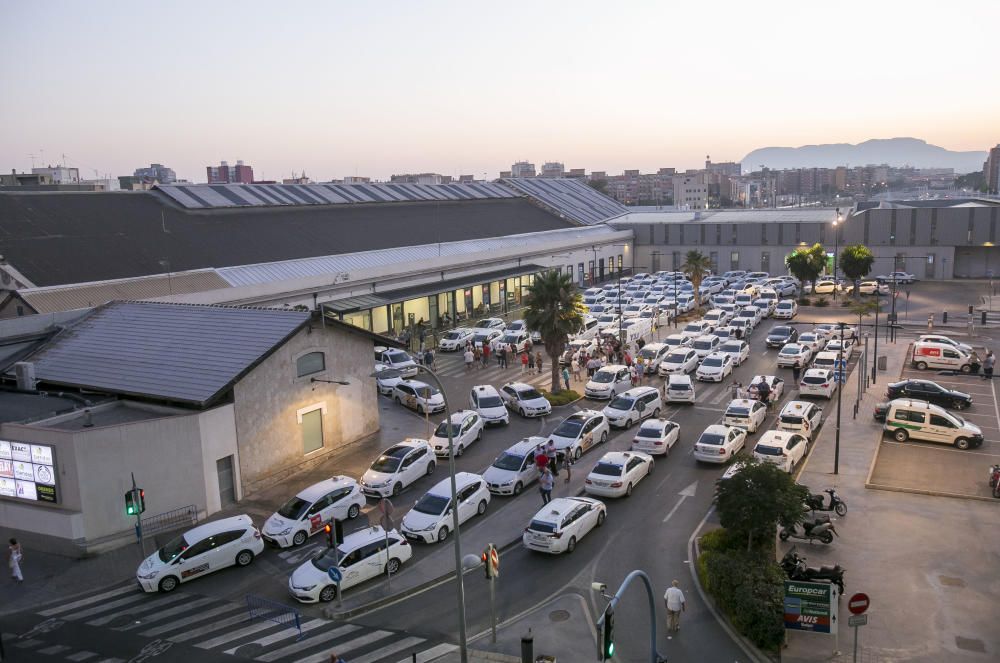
547, 463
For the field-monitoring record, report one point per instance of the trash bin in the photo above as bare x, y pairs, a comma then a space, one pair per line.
883, 361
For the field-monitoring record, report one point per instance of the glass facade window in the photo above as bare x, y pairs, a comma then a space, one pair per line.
734, 260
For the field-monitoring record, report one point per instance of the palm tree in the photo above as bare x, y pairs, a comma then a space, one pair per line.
807, 264
856, 263
554, 309
696, 266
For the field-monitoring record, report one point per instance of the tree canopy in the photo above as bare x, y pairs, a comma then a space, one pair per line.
856, 261
554, 309
807, 264
756, 499
696, 266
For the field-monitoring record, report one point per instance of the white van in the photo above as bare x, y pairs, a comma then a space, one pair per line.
919, 420
940, 355
633, 406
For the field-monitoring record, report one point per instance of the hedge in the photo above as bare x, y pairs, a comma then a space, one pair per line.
562, 398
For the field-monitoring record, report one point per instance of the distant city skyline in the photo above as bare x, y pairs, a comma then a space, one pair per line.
455, 88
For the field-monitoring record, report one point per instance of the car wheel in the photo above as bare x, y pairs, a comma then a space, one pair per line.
604, 437
169, 584
328, 593
628, 489
967, 368
430, 468
481, 509
962, 443
656, 413
521, 412
600, 518
398, 402
299, 538
841, 509
244, 558
353, 512
960, 405
479, 434
577, 453
571, 544
392, 567
900, 435
922, 365
459, 450
442, 534
652, 464
397, 488
518, 487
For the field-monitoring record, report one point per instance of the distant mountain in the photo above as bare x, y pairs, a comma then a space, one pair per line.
893, 151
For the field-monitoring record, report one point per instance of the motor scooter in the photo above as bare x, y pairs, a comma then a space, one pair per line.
795, 568
817, 502
995, 480
821, 529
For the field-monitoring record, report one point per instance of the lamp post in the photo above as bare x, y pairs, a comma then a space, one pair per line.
462, 637
840, 393
836, 250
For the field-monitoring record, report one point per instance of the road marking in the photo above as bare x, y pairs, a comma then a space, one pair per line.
344, 647
996, 408
281, 635
200, 617
371, 656
90, 599
431, 654
686, 493
945, 448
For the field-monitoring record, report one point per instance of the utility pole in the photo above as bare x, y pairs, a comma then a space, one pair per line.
840, 393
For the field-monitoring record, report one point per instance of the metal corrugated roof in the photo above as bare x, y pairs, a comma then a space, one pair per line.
333, 265
796, 215
86, 295
570, 197
177, 352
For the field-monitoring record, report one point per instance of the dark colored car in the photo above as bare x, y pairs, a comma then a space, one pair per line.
931, 392
881, 409
780, 335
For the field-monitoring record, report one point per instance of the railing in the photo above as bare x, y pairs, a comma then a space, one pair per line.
164, 522
260, 608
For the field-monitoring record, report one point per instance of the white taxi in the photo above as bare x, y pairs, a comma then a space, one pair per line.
738, 350
396, 358
817, 382
617, 472
466, 428
776, 386
652, 354
716, 367
491, 323
679, 361
746, 414
336, 498
418, 396
202, 550
365, 554
836, 344
786, 309
386, 383
656, 436
813, 340
485, 399
705, 345
695, 329
515, 468
397, 467
782, 448
794, 353
801, 417
719, 443
455, 339
558, 526
676, 341
633, 406
481, 337
608, 382
579, 432
574, 348
525, 400
430, 519
679, 389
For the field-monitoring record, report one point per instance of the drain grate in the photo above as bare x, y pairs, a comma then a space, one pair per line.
559, 615
970, 644
951, 581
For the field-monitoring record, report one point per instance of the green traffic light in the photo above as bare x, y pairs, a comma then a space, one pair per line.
611, 650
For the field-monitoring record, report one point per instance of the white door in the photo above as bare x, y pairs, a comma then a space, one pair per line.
410, 468
338, 506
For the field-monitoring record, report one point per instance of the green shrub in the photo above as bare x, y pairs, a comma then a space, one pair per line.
805, 301
748, 587
562, 398
822, 301
847, 302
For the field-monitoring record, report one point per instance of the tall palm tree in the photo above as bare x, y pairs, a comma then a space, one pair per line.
554, 309
696, 266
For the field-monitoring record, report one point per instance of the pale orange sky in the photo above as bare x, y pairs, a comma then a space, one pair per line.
340, 88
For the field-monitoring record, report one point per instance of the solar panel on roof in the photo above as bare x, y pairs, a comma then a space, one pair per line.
571, 198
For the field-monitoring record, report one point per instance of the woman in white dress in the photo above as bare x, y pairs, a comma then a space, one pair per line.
14, 560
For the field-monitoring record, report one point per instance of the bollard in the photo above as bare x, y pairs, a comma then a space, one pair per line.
944, 318
527, 647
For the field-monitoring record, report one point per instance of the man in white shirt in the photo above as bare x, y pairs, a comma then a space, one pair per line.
674, 600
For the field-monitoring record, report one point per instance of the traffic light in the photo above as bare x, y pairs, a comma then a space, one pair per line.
608, 646
131, 508
328, 528
491, 562
142, 500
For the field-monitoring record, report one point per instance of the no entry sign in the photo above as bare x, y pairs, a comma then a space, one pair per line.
858, 603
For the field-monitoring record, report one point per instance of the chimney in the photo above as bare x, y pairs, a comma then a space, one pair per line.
24, 372
88, 421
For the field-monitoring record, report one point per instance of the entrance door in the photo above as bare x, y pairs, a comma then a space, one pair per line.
227, 481
600, 269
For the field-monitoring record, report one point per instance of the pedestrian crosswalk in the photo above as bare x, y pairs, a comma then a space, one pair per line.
453, 366
217, 627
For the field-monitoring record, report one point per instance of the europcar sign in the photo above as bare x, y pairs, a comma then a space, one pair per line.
810, 606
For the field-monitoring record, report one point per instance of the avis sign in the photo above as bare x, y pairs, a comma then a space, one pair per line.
810, 606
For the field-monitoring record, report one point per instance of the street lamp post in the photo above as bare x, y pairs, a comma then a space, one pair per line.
462, 636
878, 305
840, 393
836, 250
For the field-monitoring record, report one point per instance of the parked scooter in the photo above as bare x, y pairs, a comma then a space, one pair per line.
817, 502
821, 529
995, 480
795, 568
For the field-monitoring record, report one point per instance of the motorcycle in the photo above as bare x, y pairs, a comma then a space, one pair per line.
821, 529
818, 503
795, 568
995, 480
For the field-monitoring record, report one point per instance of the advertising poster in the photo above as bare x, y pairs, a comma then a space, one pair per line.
27, 471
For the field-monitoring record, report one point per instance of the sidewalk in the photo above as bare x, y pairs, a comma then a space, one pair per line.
931, 599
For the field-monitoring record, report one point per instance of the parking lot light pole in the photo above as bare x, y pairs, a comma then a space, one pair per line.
836, 250
840, 393
462, 636
878, 305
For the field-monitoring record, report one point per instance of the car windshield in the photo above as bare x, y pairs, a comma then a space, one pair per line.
607, 469
712, 438
397, 356
481, 338
508, 461
485, 322
569, 428
649, 431
326, 559
732, 347
442, 429
515, 326
453, 336
679, 386
432, 504
791, 419
738, 412
814, 379
511, 338
703, 345
673, 341
542, 526
528, 394
387, 464
693, 328
789, 350
781, 331
490, 401
604, 377
294, 508
427, 392
766, 450
676, 357
712, 362
172, 549
607, 318
622, 403
647, 353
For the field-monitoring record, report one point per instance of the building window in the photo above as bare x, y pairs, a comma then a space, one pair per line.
765, 261
713, 259
682, 234
763, 233
718, 233
822, 233
734, 260
781, 234
311, 422
798, 233
934, 226
968, 238
867, 225
892, 229
913, 227
580, 271
701, 234
651, 229
677, 260
307, 364
621, 262
733, 236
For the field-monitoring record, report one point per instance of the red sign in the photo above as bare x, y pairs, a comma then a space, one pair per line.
315, 521
858, 603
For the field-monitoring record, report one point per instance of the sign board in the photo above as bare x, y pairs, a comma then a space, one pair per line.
335, 574
857, 620
386, 523
810, 606
385, 507
858, 603
27, 471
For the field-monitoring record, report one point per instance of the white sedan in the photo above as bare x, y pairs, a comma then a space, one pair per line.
794, 353
817, 382
738, 350
869, 287
782, 448
562, 522
656, 436
455, 339
716, 367
835, 345
397, 467
466, 428
746, 414
617, 472
898, 277
826, 287
812, 340
679, 362
695, 329
675, 341
776, 384
719, 443
386, 385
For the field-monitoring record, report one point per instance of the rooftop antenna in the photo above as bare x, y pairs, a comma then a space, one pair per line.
32, 157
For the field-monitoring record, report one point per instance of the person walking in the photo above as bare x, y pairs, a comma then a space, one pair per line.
531, 361
486, 355
524, 362
477, 356
633, 375
545, 484
796, 372
565, 376
988, 363
674, 600
578, 364
736, 389
429, 359
14, 556
502, 357
538, 361
469, 357
541, 460
336, 658
550, 453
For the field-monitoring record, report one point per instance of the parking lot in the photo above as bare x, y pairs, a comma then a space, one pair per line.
938, 468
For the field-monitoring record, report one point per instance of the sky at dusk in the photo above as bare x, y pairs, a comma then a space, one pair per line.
376, 88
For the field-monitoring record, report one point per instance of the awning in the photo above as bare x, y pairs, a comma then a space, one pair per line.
363, 302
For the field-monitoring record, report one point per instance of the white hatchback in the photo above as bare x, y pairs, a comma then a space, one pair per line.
202, 550
738, 350
418, 396
680, 361
336, 498
608, 382
706, 345
746, 414
817, 382
485, 399
455, 339
782, 448
617, 472
466, 428
719, 443
558, 526
579, 432
794, 353
397, 467
800, 417
632, 406
716, 367
431, 517
525, 400
679, 389
515, 468
786, 309
656, 436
